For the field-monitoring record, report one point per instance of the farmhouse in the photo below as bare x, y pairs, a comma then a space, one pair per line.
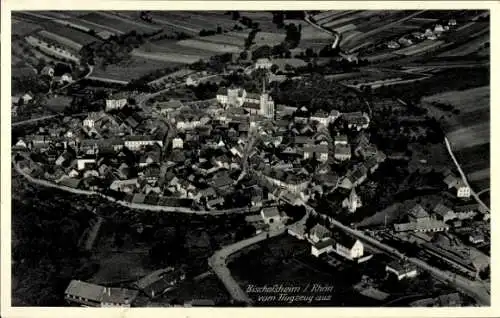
91, 295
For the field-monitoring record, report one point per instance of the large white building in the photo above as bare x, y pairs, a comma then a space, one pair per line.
256, 104
263, 63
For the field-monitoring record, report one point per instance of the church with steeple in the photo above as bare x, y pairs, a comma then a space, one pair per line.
255, 104
352, 202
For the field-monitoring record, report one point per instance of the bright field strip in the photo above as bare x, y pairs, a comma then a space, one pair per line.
61, 40
209, 46
176, 58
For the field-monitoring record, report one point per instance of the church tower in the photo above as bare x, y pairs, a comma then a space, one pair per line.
266, 102
352, 202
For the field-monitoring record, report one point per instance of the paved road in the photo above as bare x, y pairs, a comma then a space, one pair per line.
483, 191
218, 262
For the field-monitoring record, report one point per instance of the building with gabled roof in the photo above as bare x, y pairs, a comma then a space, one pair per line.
92, 295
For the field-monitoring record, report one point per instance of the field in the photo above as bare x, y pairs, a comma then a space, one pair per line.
194, 22
23, 28
65, 42
209, 46
470, 47
46, 23
469, 130
131, 69
420, 47
119, 22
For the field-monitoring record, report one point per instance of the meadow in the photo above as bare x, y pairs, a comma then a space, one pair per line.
468, 130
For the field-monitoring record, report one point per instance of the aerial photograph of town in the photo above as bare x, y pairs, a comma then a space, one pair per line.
336, 158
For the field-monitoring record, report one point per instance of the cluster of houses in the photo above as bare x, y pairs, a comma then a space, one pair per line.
191, 156
439, 219
430, 34
323, 241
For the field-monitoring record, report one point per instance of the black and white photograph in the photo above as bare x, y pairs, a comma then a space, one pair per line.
293, 158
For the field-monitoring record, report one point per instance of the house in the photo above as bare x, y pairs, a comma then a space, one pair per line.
418, 214
342, 152
405, 41
116, 101
263, 63
356, 120
401, 269
463, 191
270, 215
320, 152
319, 233
231, 96
297, 230
159, 282
26, 98
177, 143
66, 78
347, 246
92, 295
136, 142
82, 163
321, 117
352, 202
443, 213
193, 80
466, 211
393, 45
322, 247
452, 22
476, 238
92, 118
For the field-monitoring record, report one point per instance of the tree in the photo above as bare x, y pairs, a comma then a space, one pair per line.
235, 15
274, 68
244, 55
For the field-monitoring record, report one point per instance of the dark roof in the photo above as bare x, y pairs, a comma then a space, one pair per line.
344, 239
323, 244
